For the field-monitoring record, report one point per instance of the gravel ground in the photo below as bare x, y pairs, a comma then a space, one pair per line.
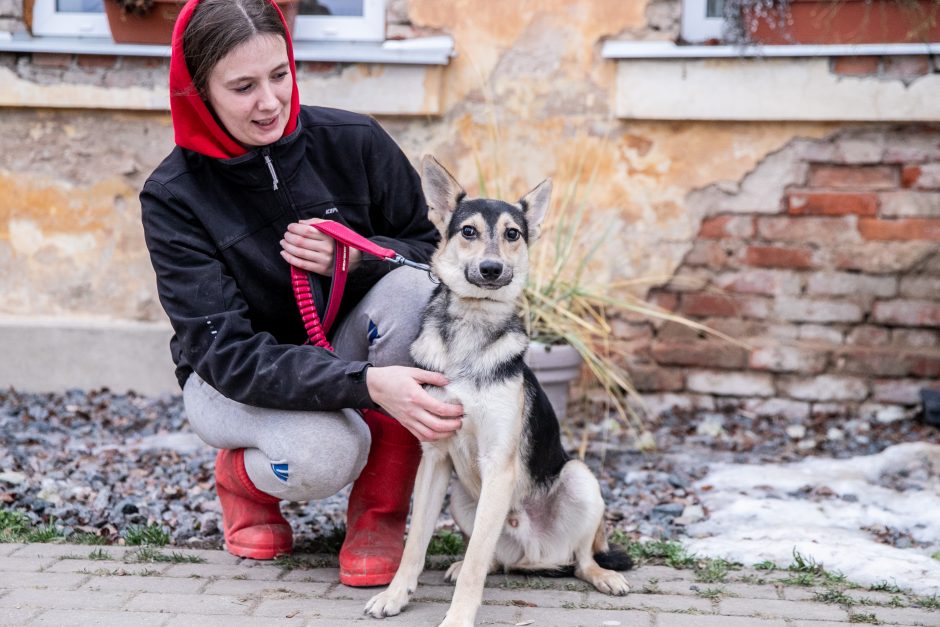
97, 462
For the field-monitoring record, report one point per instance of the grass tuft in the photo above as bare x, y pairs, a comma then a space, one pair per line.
446, 542
150, 535
869, 619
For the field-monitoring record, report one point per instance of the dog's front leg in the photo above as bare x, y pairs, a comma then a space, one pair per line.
499, 481
430, 489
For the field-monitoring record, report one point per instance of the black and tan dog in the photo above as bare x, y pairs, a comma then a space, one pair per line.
523, 503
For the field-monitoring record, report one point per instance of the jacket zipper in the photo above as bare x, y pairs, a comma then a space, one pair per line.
267, 160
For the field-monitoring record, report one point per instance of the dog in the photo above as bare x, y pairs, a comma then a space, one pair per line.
523, 503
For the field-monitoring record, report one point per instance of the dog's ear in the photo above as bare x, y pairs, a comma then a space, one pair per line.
535, 205
441, 190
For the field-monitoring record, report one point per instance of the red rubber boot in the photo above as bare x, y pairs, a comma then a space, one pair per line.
251, 519
378, 504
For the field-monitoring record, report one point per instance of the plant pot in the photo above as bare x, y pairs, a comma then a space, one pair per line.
555, 366
844, 22
156, 27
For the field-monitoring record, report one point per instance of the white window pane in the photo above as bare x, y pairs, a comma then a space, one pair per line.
714, 8
345, 8
79, 6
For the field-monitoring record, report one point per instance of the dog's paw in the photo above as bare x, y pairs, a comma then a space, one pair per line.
610, 582
387, 603
453, 572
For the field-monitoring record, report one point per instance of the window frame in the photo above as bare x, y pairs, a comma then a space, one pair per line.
48, 21
696, 26
369, 27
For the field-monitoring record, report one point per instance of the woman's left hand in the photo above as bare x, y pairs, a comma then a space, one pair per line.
308, 249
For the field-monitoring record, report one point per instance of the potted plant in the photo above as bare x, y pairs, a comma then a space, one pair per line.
832, 21
151, 21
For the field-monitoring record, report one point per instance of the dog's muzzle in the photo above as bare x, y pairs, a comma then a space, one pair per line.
490, 274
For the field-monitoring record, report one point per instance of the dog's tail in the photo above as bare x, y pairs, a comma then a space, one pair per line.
611, 559
614, 559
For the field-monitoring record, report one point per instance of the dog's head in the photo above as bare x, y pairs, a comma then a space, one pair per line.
484, 251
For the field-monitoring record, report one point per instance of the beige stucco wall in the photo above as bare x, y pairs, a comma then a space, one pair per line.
527, 96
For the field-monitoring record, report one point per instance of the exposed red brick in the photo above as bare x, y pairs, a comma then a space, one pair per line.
666, 300
915, 338
826, 231
718, 227
908, 313
707, 354
926, 366
710, 253
51, 59
906, 67
768, 282
856, 66
730, 383
778, 257
701, 304
910, 175
876, 362
901, 391
906, 229
868, 335
824, 388
832, 203
654, 379
811, 310
926, 176
788, 359
96, 61
854, 176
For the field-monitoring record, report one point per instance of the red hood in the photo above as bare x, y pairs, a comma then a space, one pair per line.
194, 125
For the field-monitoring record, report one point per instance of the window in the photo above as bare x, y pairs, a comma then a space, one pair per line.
342, 20
75, 18
702, 20
335, 20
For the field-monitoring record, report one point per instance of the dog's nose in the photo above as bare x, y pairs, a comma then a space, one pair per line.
490, 269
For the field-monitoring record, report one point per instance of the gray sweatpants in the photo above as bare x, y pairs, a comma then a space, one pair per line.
301, 455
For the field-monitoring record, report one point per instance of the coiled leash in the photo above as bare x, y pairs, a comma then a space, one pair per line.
306, 287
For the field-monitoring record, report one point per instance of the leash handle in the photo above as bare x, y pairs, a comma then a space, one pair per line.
302, 282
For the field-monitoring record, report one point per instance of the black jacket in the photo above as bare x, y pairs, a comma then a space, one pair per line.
213, 228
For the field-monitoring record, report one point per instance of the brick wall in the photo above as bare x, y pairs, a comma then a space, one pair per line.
835, 288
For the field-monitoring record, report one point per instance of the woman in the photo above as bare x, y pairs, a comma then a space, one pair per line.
224, 215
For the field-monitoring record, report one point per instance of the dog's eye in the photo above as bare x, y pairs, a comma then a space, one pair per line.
512, 234
469, 232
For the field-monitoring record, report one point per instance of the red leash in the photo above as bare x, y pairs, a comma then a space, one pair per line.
303, 283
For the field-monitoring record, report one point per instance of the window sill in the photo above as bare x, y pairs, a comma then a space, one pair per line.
419, 51
389, 78
857, 83
613, 49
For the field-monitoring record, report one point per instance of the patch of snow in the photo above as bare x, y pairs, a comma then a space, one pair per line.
821, 507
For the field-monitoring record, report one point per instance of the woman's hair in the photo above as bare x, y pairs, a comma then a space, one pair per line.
216, 27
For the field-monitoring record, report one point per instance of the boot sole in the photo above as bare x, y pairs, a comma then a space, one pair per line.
256, 553
361, 580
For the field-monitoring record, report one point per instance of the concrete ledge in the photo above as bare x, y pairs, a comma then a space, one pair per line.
767, 89
55, 354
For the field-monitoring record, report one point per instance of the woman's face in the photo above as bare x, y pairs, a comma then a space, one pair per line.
250, 90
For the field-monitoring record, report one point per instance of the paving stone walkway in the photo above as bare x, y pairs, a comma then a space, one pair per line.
57, 584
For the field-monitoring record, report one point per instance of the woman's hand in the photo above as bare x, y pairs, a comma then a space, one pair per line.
309, 249
397, 390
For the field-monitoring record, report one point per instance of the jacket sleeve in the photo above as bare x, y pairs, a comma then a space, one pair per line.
398, 209
214, 334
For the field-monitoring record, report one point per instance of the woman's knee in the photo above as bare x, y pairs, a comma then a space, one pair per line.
321, 468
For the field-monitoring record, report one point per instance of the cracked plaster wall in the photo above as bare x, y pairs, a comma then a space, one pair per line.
528, 96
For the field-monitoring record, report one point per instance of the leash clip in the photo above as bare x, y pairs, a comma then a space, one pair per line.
402, 261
